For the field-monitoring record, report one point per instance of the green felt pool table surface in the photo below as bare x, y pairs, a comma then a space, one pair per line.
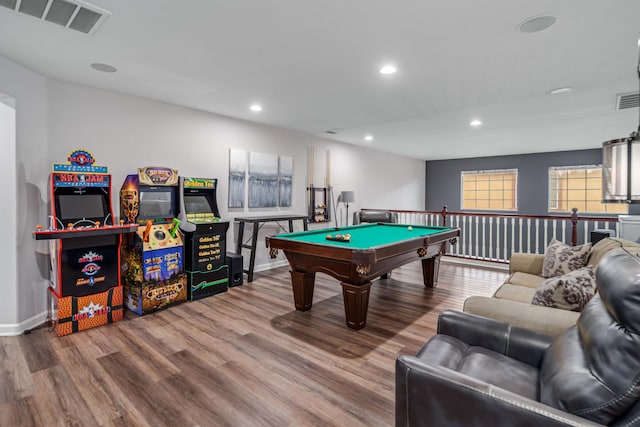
365, 236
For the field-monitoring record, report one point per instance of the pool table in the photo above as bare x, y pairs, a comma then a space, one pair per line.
374, 250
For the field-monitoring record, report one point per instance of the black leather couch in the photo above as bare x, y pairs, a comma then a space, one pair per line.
481, 372
374, 216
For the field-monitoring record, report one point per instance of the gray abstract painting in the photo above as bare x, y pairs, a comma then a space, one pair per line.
263, 180
237, 177
285, 177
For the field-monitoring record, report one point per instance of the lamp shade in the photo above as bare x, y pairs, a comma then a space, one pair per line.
621, 170
347, 197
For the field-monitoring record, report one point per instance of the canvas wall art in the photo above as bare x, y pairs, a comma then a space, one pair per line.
263, 180
237, 177
285, 178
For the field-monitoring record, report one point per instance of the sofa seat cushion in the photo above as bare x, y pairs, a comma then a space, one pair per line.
545, 320
517, 293
525, 279
482, 364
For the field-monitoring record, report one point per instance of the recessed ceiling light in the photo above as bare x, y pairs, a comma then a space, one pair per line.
388, 69
475, 122
105, 68
256, 108
560, 91
368, 138
537, 23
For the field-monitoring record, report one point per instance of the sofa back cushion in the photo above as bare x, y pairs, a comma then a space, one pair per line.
375, 216
607, 244
593, 369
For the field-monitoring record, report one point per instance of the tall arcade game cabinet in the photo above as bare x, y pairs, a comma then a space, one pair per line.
152, 265
205, 238
84, 246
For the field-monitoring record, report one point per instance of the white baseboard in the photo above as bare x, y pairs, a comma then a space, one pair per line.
475, 263
12, 329
270, 265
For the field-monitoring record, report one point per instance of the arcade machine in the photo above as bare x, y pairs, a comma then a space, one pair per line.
204, 238
84, 246
152, 258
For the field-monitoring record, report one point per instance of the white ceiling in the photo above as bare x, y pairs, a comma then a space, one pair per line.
313, 65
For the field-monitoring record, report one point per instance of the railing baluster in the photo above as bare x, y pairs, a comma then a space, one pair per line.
477, 251
513, 235
458, 226
497, 238
505, 255
484, 238
520, 234
537, 234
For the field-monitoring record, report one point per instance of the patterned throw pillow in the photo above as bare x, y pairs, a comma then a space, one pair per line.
560, 258
571, 291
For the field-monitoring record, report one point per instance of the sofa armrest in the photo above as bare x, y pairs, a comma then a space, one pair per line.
518, 343
526, 263
428, 395
544, 320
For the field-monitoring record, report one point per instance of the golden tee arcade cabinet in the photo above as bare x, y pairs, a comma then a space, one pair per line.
152, 258
205, 236
84, 246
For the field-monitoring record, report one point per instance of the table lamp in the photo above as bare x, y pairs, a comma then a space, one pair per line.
347, 197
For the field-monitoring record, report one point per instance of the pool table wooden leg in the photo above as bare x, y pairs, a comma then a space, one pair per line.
430, 267
356, 304
302, 283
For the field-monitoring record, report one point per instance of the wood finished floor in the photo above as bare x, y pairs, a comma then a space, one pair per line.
242, 358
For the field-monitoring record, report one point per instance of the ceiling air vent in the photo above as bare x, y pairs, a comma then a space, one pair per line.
627, 100
74, 15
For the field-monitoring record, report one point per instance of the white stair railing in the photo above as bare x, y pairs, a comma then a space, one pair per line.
493, 237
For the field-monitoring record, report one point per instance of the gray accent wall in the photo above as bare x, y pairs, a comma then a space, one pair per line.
443, 178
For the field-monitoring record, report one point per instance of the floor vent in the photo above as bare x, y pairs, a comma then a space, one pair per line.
627, 100
74, 15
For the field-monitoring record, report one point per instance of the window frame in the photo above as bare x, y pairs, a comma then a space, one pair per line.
513, 171
585, 189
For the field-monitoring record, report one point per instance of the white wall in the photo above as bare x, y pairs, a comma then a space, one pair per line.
24, 168
8, 259
124, 133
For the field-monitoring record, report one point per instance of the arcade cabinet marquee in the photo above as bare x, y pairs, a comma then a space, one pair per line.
84, 246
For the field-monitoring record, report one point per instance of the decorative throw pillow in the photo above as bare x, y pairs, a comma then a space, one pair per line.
560, 258
571, 291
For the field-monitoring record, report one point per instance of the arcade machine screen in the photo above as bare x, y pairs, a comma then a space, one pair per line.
74, 207
197, 204
157, 203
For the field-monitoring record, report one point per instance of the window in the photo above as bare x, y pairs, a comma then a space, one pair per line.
493, 190
579, 187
